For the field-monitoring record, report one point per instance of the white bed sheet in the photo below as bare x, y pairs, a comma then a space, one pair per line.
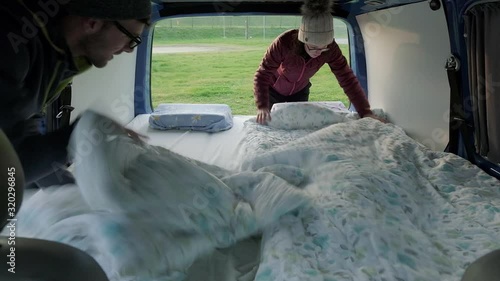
219, 149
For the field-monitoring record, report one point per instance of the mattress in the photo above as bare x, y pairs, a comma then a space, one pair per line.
380, 206
213, 148
224, 148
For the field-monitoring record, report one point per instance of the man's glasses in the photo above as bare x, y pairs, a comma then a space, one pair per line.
316, 49
134, 40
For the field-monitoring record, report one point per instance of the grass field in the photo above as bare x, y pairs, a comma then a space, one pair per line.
222, 76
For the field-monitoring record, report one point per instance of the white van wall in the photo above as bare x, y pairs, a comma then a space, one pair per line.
406, 50
108, 90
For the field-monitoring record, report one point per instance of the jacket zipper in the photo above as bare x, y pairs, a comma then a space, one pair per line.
45, 102
300, 77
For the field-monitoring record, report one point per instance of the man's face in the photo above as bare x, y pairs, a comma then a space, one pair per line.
112, 39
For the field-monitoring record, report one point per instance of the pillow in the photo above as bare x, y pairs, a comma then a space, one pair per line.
197, 117
305, 115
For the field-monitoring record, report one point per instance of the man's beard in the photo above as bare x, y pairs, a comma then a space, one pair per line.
93, 46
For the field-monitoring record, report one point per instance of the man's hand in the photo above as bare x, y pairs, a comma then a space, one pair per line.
263, 116
139, 138
370, 115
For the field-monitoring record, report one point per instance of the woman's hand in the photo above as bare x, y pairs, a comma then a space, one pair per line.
371, 115
262, 116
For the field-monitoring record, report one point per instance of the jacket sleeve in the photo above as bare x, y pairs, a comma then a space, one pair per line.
42, 155
16, 94
263, 78
348, 81
19, 99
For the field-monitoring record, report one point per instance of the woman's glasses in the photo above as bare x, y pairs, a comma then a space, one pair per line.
314, 49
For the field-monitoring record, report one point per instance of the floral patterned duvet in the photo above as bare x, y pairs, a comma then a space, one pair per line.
385, 208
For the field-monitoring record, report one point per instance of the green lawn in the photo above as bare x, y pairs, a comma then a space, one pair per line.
221, 77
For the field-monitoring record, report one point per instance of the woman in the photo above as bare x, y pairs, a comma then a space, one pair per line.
296, 55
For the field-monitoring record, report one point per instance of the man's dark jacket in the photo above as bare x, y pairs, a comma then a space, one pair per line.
35, 65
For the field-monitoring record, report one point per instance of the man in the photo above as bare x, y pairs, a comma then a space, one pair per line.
44, 44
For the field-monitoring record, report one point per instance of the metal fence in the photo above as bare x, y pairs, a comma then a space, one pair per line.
241, 26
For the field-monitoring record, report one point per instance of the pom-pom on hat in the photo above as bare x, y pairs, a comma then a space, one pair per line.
316, 27
110, 9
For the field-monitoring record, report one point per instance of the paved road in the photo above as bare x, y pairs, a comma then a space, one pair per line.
198, 48
209, 48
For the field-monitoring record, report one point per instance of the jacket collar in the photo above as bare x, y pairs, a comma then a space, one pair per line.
52, 32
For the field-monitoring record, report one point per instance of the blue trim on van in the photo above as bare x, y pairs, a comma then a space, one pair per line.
142, 91
357, 54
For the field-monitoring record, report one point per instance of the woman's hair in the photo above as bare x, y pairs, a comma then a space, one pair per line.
298, 47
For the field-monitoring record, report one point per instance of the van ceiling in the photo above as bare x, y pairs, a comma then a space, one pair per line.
342, 8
